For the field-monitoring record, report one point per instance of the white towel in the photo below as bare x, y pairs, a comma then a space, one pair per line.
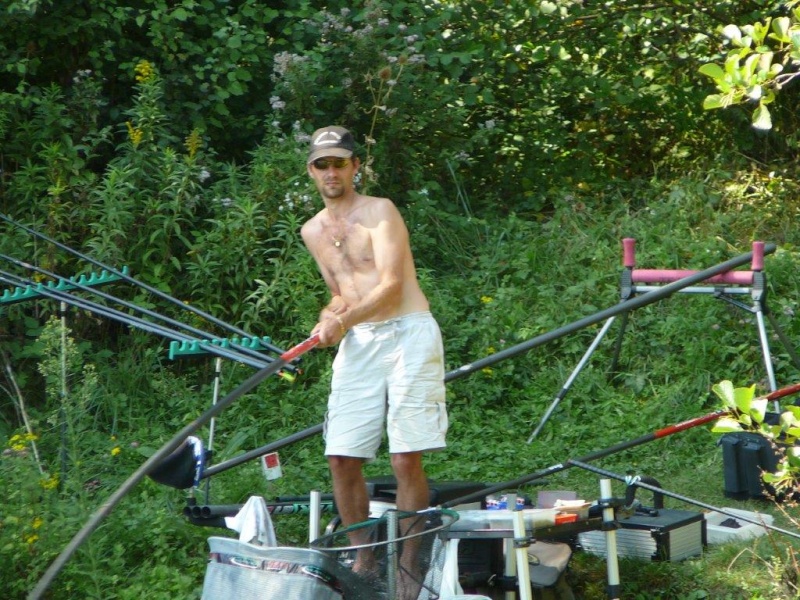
253, 522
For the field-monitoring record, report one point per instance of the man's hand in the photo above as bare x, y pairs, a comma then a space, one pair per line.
330, 330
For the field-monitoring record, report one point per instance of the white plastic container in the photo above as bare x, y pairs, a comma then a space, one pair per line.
716, 533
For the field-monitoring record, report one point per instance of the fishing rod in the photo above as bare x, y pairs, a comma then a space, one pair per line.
659, 490
133, 280
624, 307
558, 467
649, 437
151, 313
172, 445
127, 319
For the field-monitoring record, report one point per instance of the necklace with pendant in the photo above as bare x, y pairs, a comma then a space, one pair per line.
336, 242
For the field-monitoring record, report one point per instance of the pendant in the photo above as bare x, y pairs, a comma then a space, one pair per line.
337, 243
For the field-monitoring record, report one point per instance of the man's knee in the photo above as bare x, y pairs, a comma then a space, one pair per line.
345, 466
407, 465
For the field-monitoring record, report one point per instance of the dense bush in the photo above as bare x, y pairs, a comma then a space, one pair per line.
521, 141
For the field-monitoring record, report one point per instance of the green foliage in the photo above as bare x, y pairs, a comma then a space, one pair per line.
521, 141
748, 413
756, 67
500, 283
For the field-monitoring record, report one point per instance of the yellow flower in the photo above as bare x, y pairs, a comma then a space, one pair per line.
49, 483
115, 450
135, 134
37, 522
144, 71
31, 538
487, 371
193, 143
487, 299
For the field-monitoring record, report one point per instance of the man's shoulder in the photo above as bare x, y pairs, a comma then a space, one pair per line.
314, 220
379, 204
312, 224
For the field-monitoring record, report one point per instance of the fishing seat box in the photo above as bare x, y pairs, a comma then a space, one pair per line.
666, 535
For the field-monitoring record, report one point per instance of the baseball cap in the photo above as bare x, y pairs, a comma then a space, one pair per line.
331, 141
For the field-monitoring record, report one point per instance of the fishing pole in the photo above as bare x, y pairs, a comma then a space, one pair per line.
623, 307
638, 302
151, 313
558, 467
172, 445
133, 280
127, 319
649, 437
659, 490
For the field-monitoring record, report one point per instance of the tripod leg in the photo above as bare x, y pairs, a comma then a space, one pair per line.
560, 396
762, 336
612, 369
787, 344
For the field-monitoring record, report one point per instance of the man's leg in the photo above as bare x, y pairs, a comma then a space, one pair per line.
412, 495
349, 489
412, 485
352, 503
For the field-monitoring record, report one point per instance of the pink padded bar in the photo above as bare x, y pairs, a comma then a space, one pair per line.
670, 275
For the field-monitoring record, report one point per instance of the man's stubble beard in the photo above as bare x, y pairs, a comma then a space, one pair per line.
332, 191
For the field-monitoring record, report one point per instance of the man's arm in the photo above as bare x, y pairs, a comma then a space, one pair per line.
390, 245
336, 306
390, 250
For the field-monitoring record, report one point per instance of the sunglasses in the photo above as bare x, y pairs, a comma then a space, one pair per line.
324, 163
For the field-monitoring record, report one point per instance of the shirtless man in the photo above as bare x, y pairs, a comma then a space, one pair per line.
389, 367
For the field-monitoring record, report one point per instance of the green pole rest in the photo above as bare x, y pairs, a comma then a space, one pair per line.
188, 347
28, 292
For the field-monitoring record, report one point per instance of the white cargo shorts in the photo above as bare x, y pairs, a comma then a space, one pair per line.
388, 372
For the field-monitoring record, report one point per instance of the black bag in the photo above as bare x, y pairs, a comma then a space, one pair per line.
745, 457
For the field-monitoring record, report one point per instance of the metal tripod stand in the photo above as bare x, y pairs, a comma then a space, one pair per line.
725, 286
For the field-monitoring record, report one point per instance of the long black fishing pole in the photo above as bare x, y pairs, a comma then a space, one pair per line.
556, 468
658, 490
163, 452
623, 307
127, 319
276, 445
649, 437
129, 279
130, 305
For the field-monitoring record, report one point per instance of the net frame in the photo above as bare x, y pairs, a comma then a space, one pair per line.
401, 567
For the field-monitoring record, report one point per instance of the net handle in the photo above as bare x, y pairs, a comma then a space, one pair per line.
454, 516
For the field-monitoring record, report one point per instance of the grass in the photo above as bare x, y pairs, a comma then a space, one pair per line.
514, 282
